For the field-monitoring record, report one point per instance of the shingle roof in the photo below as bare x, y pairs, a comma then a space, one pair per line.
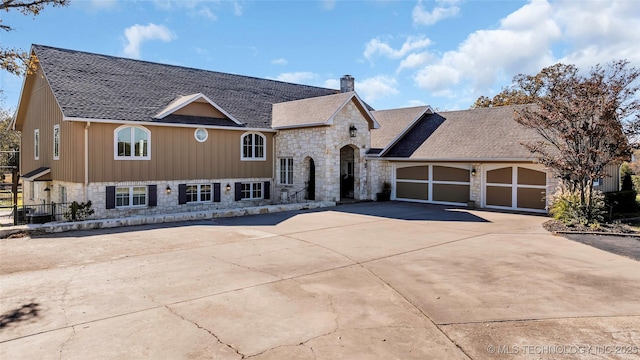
97, 86
306, 112
490, 133
392, 123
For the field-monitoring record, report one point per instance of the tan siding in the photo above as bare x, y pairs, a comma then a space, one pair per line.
451, 193
416, 191
40, 111
531, 177
612, 181
176, 155
500, 176
200, 109
413, 173
446, 173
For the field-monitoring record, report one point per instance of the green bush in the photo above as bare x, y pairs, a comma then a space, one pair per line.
78, 211
621, 201
566, 207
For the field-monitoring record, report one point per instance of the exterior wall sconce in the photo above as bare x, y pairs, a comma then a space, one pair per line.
352, 131
228, 187
46, 189
168, 189
473, 171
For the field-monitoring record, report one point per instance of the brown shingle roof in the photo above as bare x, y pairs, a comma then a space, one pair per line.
393, 123
476, 134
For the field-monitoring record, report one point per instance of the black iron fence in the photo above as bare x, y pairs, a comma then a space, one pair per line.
39, 213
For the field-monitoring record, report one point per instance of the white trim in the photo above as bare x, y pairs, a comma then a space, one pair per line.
35, 176
56, 127
36, 144
253, 147
251, 190
206, 134
514, 186
132, 156
130, 187
183, 101
199, 192
289, 169
157, 123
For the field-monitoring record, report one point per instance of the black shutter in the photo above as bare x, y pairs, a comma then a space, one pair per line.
111, 197
216, 192
267, 190
238, 189
182, 194
153, 195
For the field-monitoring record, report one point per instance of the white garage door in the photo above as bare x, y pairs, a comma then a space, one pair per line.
435, 183
517, 187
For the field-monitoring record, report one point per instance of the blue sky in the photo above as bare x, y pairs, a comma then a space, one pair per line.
444, 53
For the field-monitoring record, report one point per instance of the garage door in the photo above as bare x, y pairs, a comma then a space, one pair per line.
445, 184
516, 187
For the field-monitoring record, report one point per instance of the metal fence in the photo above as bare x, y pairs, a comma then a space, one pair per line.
38, 213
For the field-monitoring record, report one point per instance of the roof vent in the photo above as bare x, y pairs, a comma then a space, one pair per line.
347, 84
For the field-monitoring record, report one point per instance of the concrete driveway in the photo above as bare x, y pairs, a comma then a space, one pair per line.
362, 281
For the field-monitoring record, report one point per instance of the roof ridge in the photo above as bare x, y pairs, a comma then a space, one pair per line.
175, 66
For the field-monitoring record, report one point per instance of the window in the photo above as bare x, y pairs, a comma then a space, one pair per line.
286, 171
201, 135
198, 193
132, 143
131, 196
56, 142
63, 194
251, 191
253, 147
36, 144
32, 190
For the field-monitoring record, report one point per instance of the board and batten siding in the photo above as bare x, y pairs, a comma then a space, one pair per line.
175, 155
41, 111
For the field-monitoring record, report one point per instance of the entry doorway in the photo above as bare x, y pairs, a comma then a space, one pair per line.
311, 183
347, 173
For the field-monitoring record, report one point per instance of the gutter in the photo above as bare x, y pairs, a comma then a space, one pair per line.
86, 160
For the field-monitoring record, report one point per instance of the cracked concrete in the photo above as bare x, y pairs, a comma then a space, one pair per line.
365, 281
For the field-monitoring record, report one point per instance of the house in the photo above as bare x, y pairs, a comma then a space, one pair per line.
141, 138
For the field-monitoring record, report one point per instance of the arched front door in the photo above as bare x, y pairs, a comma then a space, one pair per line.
311, 183
347, 172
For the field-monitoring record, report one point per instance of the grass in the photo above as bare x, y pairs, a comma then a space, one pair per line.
6, 198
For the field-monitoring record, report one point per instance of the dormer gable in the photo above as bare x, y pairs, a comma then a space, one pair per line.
197, 105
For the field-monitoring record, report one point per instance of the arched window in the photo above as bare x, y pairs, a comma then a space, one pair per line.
252, 146
132, 143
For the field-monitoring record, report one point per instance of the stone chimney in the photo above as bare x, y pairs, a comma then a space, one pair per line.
347, 84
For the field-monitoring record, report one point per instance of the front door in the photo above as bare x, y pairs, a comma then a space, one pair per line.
311, 185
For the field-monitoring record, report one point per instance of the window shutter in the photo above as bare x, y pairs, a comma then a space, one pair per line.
238, 190
111, 197
267, 190
216, 192
153, 195
182, 194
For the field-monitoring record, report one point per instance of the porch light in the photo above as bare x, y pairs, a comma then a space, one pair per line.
47, 189
352, 131
168, 189
473, 171
228, 187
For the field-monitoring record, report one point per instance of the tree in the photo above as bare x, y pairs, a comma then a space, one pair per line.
584, 121
14, 60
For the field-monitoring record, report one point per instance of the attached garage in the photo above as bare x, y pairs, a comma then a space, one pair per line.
515, 187
434, 183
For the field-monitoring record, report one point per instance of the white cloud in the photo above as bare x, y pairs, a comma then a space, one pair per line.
377, 46
414, 60
332, 84
280, 61
137, 34
443, 10
413, 103
301, 77
377, 87
206, 12
328, 4
237, 8
522, 43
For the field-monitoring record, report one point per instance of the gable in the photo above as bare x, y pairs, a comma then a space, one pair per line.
318, 111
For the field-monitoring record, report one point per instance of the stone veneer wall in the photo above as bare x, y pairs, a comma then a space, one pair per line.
323, 144
168, 203
379, 172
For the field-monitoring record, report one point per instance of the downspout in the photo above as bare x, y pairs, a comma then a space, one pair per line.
86, 160
273, 165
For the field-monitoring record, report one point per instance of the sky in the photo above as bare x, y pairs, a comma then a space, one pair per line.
442, 53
